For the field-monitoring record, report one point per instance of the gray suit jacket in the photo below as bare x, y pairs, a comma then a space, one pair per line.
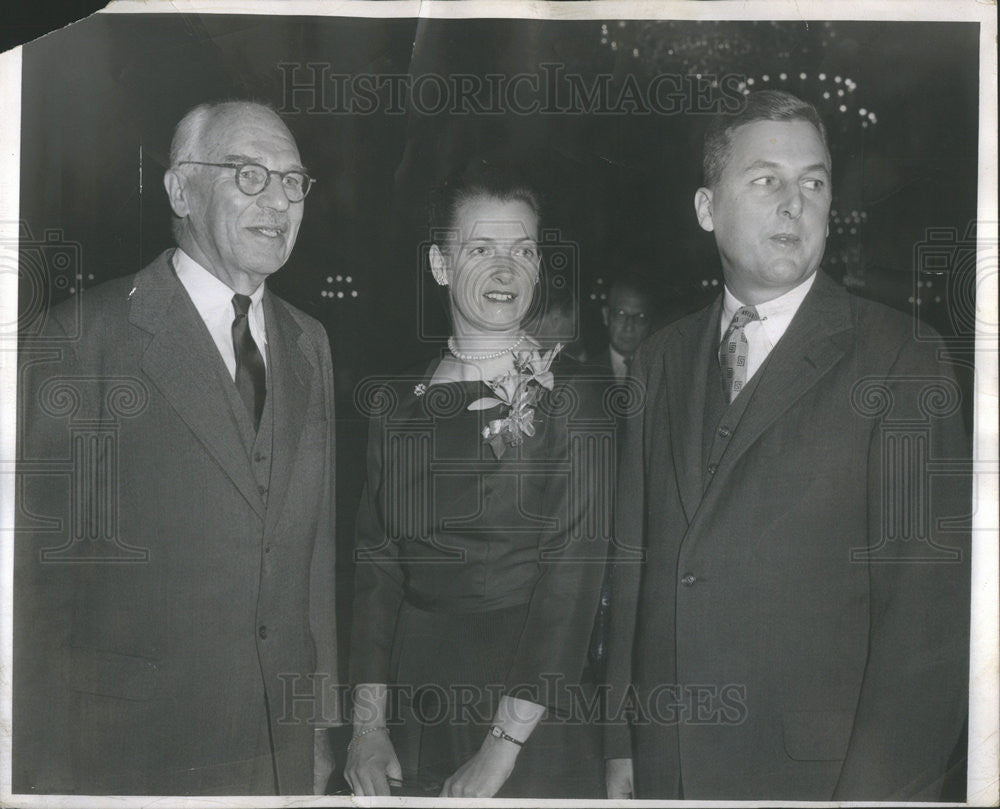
170, 601
798, 628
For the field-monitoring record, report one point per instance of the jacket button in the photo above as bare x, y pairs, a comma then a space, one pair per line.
723, 432
262, 631
262, 490
259, 456
712, 467
267, 549
688, 579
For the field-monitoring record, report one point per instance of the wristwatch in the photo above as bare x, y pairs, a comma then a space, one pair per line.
497, 733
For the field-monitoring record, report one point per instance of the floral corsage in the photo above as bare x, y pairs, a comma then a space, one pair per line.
518, 391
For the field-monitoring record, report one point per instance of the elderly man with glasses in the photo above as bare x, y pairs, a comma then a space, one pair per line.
190, 647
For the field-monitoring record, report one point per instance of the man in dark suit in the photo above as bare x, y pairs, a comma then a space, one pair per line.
173, 608
628, 316
798, 627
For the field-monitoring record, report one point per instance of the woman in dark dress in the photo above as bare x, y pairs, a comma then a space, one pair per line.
481, 539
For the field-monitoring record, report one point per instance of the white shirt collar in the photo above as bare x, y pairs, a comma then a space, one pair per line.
207, 292
213, 300
775, 314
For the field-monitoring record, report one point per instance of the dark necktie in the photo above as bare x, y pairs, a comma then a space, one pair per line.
250, 374
734, 350
628, 367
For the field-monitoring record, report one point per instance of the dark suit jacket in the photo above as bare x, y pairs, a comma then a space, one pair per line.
769, 654
165, 609
602, 359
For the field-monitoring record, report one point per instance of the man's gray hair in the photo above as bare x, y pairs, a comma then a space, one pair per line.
190, 131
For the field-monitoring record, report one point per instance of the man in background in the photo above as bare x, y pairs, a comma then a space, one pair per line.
628, 316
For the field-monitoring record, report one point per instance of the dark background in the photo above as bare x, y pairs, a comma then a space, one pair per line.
100, 101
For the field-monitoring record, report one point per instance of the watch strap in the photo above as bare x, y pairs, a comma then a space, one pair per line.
497, 732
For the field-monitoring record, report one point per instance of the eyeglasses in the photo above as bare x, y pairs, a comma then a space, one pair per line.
622, 316
252, 178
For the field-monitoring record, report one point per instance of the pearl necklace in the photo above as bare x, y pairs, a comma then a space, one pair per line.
481, 355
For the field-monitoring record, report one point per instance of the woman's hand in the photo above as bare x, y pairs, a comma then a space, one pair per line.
618, 778
483, 774
372, 764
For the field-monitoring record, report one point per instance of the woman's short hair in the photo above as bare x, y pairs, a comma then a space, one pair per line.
479, 179
763, 105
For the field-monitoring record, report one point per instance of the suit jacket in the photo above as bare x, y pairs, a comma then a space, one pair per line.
602, 359
798, 628
172, 598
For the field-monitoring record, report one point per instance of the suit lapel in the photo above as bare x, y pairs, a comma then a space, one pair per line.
810, 347
182, 362
685, 370
290, 380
